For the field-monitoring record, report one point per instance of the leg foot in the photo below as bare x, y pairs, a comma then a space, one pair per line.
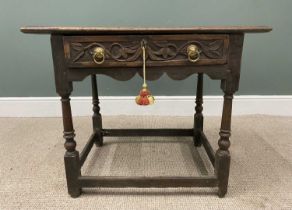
222, 165
198, 129
197, 139
72, 167
99, 139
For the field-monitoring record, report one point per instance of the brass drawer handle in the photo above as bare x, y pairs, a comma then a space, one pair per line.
98, 55
193, 53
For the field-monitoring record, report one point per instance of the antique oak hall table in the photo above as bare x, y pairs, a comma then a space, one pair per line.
117, 52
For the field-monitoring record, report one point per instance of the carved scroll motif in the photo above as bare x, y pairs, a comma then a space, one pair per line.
155, 51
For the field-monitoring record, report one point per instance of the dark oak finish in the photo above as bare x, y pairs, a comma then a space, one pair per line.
161, 50
166, 53
147, 132
222, 157
64, 89
198, 118
87, 148
116, 181
209, 150
96, 118
135, 30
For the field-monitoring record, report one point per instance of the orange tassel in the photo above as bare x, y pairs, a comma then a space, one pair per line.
144, 97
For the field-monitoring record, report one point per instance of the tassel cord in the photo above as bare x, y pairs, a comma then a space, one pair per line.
144, 97
144, 66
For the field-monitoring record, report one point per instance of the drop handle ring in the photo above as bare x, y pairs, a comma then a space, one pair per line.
193, 52
98, 55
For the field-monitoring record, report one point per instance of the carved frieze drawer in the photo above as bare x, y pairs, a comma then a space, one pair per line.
161, 50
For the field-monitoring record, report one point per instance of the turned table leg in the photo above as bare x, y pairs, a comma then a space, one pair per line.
222, 157
198, 118
96, 118
72, 162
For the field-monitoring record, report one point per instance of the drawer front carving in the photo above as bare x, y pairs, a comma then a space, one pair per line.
161, 50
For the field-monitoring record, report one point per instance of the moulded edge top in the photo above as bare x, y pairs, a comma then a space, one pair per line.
141, 30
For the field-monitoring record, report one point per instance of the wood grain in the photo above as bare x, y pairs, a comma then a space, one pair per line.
221, 50
135, 30
161, 50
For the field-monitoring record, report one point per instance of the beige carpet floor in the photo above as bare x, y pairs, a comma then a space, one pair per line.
32, 170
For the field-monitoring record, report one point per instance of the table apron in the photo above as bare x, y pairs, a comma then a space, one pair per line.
216, 72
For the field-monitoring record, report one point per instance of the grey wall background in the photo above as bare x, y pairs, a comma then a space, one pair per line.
25, 60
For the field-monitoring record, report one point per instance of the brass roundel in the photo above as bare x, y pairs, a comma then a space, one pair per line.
193, 52
98, 55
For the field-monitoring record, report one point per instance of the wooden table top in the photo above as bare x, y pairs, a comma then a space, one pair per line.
139, 30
